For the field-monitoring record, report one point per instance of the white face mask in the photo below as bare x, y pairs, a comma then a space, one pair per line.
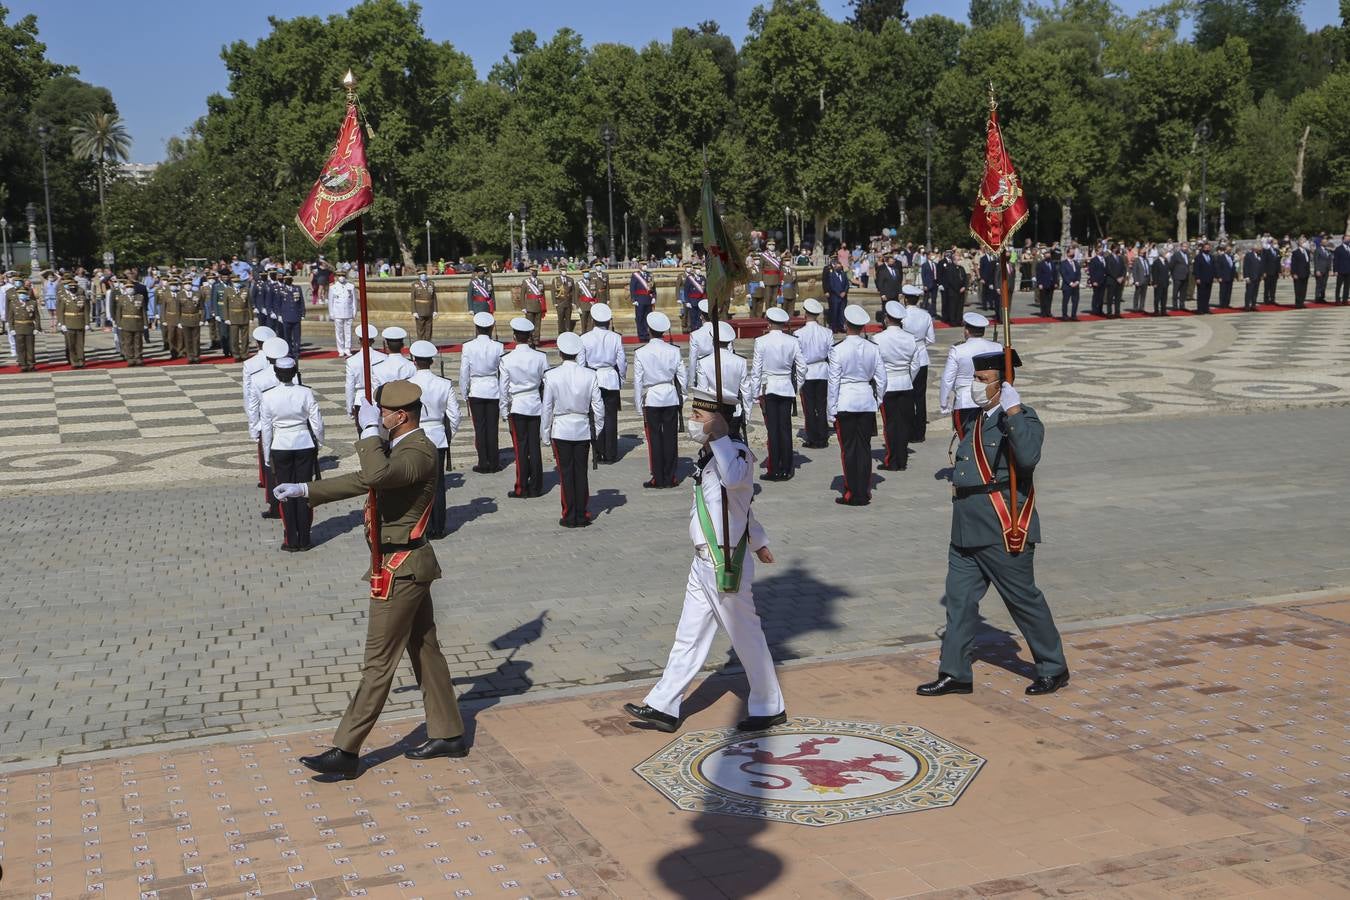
342, 280
423, 277
979, 392
696, 431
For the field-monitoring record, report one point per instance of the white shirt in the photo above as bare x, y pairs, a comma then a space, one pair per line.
356, 377
478, 364
731, 468
857, 377
341, 301
919, 323
900, 356
658, 375
778, 367
252, 366
735, 377
522, 373
264, 378
571, 402
960, 372
391, 367
602, 350
700, 345
439, 403
816, 341
289, 419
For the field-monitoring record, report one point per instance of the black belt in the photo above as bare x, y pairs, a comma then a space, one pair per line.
960, 492
400, 548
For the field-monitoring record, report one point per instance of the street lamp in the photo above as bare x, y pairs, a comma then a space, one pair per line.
626, 255
44, 137
284, 260
1202, 133
524, 252
787, 228
4, 231
607, 135
30, 213
511, 226
1223, 209
590, 230
1036, 219
428, 246
928, 184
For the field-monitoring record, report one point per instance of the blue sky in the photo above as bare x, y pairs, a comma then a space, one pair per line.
161, 58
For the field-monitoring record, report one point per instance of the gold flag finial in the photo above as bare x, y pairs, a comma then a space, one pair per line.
349, 82
993, 104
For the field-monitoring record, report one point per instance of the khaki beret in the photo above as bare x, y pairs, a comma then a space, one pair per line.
397, 394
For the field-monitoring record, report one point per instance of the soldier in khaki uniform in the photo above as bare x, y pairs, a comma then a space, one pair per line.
585, 300
23, 318
129, 314
234, 303
533, 302
423, 306
190, 322
72, 313
564, 288
789, 286
169, 302
401, 612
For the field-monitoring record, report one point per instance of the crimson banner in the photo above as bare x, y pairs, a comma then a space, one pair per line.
344, 190
1001, 207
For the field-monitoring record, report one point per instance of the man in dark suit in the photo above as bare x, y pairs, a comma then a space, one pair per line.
837, 284
1340, 264
1097, 281
949, 278
1047, 279
1115, 280
1070, 277
1158, 277
1224, 270
1270, 270
888, 279
928, 273
1251, 277
1179, 266
1204, 279
1300, 267
1139, 276
989, 282
1321, 261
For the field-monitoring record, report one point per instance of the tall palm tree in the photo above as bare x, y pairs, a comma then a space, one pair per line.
102, 137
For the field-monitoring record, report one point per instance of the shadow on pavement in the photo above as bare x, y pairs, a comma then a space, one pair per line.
756, 867
606, 500
325, 531
457, 517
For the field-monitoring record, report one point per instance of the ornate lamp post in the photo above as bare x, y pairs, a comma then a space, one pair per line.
284, 259
626, 255
607, 135
429, 246
511, 226
44, 137
1202, 133
928, 184
1223, 209
524, 251
590, 230
4, 231
30, 213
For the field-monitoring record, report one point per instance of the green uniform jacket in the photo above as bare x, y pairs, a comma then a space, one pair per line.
168, 305
71, 309
23, 317
129, 311
423, 299
190, 305
234, 306
405, 486
974, 521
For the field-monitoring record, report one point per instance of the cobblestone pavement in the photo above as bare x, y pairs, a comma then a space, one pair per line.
152, 603
1195, 757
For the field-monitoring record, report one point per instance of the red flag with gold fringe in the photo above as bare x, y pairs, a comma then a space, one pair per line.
1001, 207
344, 189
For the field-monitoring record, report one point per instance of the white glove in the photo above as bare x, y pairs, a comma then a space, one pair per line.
63, 329
367, 415
179, 325
228, 322
435, 314
945, 410
290, 491
1008, 397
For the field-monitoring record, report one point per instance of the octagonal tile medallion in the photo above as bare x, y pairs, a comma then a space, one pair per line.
812, 771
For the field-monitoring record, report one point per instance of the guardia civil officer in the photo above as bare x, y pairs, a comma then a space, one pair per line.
900, 355
816, 341
718, 590
292, 432
659, 389
403, 475
985, 548
954, 394
479, 372
572, 405
777, 367
440, 421
602, 351
521, 385
857, 382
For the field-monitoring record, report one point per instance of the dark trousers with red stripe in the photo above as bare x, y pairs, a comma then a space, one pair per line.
661, 424
295, 467
778, 429
607, 441
814, 394
897, 416
855, 430
529, 465
921, 404
485, 413
573, 459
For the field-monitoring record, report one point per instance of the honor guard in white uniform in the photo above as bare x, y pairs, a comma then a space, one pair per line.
602, 350
919, 322
356, 374
700, 345
735, 376
857, 381
440, 421
777, 368
342, 309
900, 356
273, 349
252, 366
658, 390
959, 372
572, 405
479, 364
816, 341
522, 399
292, 432
719, 587
393, 365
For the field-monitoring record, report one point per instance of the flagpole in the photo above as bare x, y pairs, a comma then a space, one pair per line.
1008, 377
717, 388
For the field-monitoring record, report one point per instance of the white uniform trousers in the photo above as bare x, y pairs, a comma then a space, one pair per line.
704, 609
342, 330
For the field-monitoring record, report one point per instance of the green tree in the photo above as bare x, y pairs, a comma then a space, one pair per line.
102, 138
872, 15
993, 13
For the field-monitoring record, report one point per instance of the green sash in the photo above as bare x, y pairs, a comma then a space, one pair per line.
728, 574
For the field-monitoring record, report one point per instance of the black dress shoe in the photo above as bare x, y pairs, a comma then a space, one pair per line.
945, 684
651, 483
1048, 684
653, 717
271, 515
761, 723
515, 494
437, 747
334, 762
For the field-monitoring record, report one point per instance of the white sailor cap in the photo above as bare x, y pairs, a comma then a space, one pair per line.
262, 333
894, 309
855, 315
285, 363
423, 349
371, 331
483, 320
601, 312
975, 320
658, 321
520, 323
777, 314
394, 333
912, 290
569, 343
812, 306
703, 306
725, 333
275, 348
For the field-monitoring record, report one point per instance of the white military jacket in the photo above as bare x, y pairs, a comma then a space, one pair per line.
900, 355
289, 419
778, 367
658, 375
960, 372
479, 362
439, 403
816, 341
571, 398
857, 377
602, 350
522, 376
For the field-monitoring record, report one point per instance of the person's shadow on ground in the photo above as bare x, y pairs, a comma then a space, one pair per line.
335, 527
456, 517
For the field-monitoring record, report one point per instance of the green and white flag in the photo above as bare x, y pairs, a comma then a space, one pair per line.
724, 261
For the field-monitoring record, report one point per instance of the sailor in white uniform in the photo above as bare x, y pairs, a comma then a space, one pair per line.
816, 341
572, 405
273, 349
356, 374
479, 374
776, 369
900, 355
440, 421
954, 394
292, 431
919, 322
393, 365
857, 382
735, 376
522, 395
252, 366
700, 345
602, 351
659, 388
